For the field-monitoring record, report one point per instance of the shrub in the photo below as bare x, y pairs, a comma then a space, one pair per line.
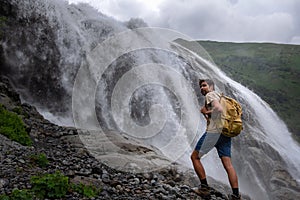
12, 126
3, 21
88, 191
50, 185
4, 197
40, 159
21, 195
18, 195
18, 110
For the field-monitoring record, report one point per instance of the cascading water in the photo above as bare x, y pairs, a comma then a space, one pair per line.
156, 79
273, 130
268, 128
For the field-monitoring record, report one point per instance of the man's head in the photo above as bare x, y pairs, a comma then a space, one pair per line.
206, 86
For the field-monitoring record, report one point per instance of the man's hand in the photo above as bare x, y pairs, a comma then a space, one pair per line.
205, 112
216, 109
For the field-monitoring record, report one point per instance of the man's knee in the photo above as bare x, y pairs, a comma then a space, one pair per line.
229, 168
195, 155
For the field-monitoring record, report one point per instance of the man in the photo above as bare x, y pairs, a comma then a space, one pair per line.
213, 138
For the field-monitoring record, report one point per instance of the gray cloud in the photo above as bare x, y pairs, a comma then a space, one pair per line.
267, 21
221, 20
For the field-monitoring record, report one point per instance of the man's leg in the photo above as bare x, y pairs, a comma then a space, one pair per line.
202, 190
198, 167
224, 150
204, 145
233, 179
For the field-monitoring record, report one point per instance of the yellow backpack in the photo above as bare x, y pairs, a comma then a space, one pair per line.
231, 118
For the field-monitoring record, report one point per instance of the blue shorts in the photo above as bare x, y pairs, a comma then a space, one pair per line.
211, 140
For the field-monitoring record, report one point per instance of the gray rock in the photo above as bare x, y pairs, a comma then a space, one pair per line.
3, 183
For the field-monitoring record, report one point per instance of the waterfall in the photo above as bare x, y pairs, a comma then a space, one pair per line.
143, 83
148, 72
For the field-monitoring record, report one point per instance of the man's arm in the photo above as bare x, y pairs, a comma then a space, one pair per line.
216, 107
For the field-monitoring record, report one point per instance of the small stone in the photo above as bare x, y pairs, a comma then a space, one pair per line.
171, 183
105, 178
119, 187
177, 178
184, 187
138, 191
65, 162
97, 176
213, 197
147, 176
114, 183
70, 173
153, 182
3, 183
127, 189
97, 170
22, 161
136, 181
145, 181
7, 160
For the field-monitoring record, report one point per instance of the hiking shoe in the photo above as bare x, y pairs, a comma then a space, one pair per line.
202, 190
234, 197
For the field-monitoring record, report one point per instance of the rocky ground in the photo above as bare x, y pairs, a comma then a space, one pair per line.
66, 153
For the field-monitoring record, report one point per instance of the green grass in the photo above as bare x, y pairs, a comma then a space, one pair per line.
51, 186
12, 126
270, 70
88, 191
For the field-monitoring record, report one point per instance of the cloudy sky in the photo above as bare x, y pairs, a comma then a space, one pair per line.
220, 20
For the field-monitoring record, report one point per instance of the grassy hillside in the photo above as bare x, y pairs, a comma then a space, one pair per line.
270, 70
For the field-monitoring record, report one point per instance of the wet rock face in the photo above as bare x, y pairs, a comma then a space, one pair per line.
9, 96
7, 9
30, 55
43, 44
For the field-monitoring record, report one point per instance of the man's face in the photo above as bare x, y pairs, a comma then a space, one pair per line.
204, 88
